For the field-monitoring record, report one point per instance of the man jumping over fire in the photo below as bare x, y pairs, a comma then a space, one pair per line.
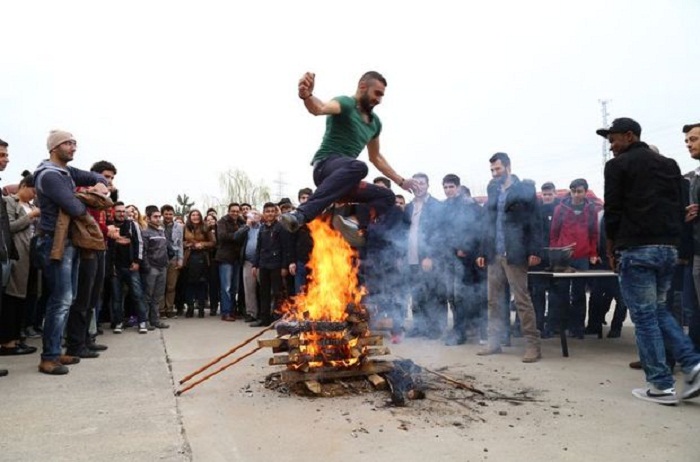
350, 126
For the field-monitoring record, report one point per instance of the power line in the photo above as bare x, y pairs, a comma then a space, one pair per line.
605, 114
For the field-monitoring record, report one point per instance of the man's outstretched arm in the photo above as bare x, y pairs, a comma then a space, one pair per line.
313, 104
379, 161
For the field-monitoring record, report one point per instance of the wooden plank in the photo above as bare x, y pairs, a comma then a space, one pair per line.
366, 370
378, 381
296, 341
313, 386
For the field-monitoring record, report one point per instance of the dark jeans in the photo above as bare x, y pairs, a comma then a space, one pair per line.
340, 178
61, 283
645, 279
132, 279
229, 276
78, 320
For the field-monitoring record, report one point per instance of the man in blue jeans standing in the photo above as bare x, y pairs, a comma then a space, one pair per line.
643, 219
351, 125
55, 185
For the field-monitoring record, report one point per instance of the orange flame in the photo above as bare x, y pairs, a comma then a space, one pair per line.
331, 287
333, 282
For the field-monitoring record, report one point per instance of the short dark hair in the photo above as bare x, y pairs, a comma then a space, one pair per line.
502, 156
245, 204
686, 128
151, 209
118, 203
451, 178
284, 201
422, 175
211, 209
382, 179
547, 186
303, 191
400, 196
233, 204
578, 182
167, 208
103, 165
373, 75
3, 144
269, 204
465, 190
27, 181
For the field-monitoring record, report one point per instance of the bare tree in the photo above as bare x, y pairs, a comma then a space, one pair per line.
237, 186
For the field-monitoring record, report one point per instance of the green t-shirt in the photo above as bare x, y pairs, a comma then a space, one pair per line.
347, 133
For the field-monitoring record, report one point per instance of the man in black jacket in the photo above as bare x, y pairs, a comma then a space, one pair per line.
643, 219
228, 254
7, 247
511, 242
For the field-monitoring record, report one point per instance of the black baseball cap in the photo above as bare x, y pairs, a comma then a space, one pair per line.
621, 125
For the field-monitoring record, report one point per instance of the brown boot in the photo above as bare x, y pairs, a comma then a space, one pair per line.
489, 350
532, 354
68, 360
52, 367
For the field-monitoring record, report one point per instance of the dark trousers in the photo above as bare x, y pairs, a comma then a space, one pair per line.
429, 301
270, 292
11, 316
78, 320
570, 300
340, 178
603, 292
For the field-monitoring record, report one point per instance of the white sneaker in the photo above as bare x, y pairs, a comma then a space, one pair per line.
691, 389
143, 329
349, 230
119, 328
653, 394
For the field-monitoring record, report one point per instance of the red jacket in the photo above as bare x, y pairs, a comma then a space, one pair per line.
569, 228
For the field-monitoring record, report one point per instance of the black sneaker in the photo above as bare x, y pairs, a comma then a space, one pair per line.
292, 221
96, 347
86, 354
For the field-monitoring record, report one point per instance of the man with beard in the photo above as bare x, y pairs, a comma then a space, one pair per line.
55, 185
511, 242
350, 126
643, 220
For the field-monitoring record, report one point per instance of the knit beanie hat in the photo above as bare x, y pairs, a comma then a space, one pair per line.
57, 137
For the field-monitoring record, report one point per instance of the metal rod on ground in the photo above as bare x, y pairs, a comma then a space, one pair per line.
221, 369
228, 353
455, 382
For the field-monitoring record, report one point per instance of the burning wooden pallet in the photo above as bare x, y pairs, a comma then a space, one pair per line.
316, 351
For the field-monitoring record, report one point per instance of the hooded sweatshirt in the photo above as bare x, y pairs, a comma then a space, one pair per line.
579, 225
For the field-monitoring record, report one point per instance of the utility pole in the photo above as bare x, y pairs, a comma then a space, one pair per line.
281, 185
605, 114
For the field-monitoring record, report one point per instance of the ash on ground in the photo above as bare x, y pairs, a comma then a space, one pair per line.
411, 390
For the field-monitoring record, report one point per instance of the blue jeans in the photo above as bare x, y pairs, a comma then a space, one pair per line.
646, 273
61, 284
133, 281
229, 273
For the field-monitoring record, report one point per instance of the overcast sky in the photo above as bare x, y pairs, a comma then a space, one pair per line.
174, 93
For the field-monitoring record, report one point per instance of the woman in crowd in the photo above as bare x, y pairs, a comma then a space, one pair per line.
198, 241
23, 217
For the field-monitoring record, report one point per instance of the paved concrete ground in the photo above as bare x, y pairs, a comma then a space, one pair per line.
121, 406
